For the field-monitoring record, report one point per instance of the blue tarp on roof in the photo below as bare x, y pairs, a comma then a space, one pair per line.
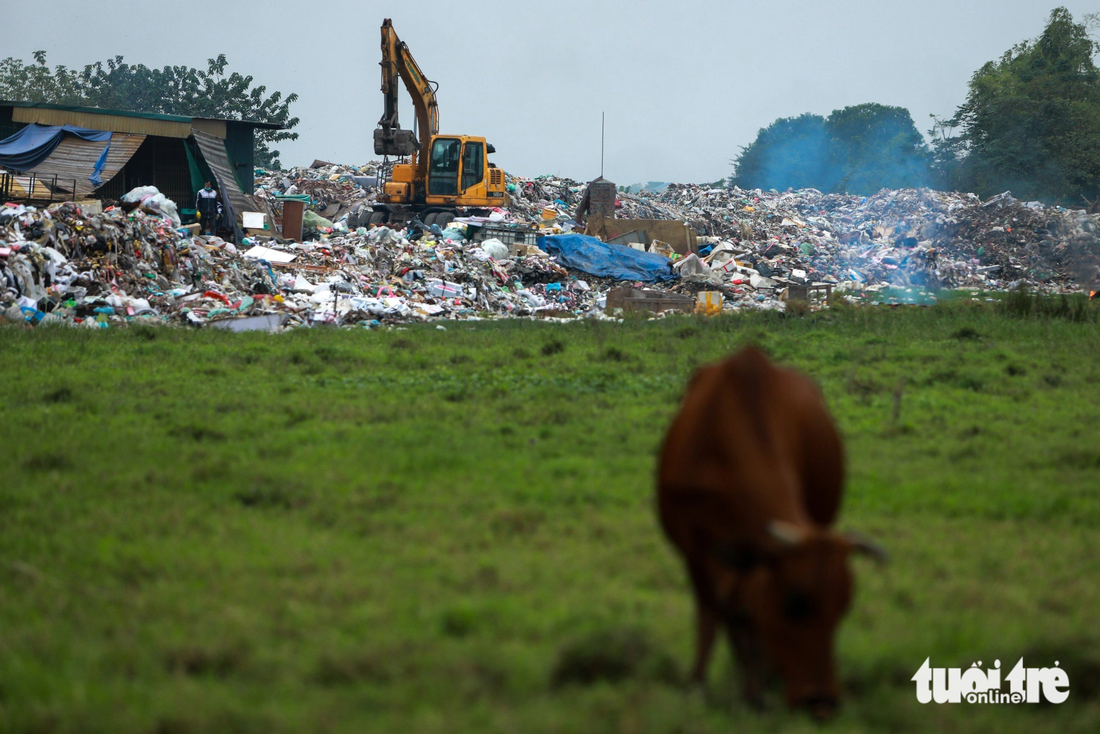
590, 255
34, 144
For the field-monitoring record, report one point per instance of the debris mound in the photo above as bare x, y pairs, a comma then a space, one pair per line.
80, 264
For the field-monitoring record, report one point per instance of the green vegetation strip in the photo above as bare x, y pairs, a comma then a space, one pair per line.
440, 531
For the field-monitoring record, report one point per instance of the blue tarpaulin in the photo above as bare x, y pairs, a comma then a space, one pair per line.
34, 144
590, 255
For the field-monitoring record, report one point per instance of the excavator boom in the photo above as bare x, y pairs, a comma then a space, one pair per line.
389, 138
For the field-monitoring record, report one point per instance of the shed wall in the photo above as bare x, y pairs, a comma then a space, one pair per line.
96, 121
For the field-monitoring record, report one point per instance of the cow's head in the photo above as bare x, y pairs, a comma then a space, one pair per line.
796, 596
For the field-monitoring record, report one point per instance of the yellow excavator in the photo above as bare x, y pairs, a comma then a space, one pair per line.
438, 173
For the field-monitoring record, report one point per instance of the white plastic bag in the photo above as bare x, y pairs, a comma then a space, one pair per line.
495, 249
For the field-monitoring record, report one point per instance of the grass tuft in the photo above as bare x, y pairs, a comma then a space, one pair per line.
612, 655
551, 348
1023, 303
966, 332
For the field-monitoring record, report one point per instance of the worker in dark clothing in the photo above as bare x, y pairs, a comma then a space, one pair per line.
207, 205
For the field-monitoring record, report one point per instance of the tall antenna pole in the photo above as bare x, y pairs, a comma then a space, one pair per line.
603, 119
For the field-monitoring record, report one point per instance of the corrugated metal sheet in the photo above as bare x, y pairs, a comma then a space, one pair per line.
9, 104
239, 146
75, 159
234, 200
96, 121
96, 110
213, 127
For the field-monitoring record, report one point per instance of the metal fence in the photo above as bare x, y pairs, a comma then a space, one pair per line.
32, 188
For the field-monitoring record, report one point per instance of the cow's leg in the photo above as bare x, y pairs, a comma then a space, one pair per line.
749, 655
706, 620
706, 623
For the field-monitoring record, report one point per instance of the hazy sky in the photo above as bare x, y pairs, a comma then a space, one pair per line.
684, 83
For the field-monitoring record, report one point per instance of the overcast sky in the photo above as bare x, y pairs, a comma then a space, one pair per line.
684, 83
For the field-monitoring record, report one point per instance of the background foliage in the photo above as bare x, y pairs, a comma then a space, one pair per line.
860, 149
1031, 121
1030, 124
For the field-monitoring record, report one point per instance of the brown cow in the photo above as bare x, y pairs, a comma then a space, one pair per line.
750, 479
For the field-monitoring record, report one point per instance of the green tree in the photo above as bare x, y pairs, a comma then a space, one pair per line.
37, 83
1031, 121
175, 90
792, 152
860, 149
873, 146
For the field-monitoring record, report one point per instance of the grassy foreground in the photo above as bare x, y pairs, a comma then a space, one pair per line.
440, 531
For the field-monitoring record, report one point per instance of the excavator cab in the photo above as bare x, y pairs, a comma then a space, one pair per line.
459, 174
457, 167
443, 168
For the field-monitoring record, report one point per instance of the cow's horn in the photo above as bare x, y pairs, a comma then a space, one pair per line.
786, 533
862, 544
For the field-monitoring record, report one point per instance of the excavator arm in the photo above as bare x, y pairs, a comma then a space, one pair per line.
389, 138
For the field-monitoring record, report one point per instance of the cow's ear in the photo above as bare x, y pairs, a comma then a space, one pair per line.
788, 534
862, 544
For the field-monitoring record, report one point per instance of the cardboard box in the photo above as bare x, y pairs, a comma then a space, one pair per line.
677, 233
805, 291
523, 250
662, 248
634, 299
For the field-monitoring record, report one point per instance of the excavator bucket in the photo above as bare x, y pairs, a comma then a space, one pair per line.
395, 142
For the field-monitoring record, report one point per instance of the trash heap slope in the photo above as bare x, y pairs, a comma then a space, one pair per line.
97, 269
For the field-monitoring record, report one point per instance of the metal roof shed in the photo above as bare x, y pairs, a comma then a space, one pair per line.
153, 158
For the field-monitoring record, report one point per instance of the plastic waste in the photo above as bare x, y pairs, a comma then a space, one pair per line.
151, 201
443, 289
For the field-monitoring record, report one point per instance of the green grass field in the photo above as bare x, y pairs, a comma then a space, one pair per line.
420, 530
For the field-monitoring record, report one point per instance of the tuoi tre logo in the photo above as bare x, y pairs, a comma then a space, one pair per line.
1026, 685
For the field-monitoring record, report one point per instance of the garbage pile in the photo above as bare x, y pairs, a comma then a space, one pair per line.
900, 238
64, 264
332, 191
758, 243
532, 197
74, 264
68, 264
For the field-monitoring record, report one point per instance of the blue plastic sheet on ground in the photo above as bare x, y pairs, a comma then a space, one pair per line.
34, 144
590, 255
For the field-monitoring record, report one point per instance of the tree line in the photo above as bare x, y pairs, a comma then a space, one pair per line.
172, 90
1030, 124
